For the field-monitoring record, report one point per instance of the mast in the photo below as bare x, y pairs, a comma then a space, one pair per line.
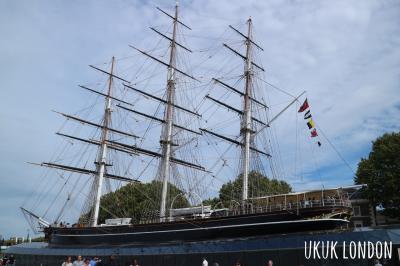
246, 118
166, 138
102, 159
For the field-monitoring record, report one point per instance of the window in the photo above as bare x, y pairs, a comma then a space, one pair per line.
358, 224
356, 211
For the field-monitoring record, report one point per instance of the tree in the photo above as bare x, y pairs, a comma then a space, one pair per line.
381, 173
138, 201
259, 185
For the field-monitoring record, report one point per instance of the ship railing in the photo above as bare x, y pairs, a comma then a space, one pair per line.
266, 208
252, 208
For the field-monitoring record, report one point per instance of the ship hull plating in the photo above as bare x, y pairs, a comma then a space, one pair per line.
193, 230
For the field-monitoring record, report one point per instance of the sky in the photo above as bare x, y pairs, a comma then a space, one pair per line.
343, 53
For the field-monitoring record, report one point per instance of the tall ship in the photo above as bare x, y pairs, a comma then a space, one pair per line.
138, 164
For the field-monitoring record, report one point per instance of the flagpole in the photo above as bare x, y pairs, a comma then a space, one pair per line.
281, 112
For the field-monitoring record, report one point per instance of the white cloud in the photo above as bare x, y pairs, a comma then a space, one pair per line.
344, 53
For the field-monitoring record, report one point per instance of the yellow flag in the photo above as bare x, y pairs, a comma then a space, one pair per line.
310, 124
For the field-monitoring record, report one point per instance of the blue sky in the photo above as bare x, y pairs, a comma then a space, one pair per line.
344, 53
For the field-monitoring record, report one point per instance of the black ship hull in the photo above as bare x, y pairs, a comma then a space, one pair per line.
196, 230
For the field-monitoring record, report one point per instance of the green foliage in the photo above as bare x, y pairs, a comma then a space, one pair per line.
259, 185
381, 172
39, 239
212, 202
138, 201
141, 201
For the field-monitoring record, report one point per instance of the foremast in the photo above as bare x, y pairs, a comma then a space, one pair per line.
102, 156
166, 138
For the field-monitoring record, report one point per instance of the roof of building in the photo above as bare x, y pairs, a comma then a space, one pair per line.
353, 187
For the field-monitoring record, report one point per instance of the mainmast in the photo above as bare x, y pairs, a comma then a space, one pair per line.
166, 138
102, 159
246, 118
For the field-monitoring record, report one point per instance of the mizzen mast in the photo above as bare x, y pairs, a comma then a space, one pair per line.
246, 118
246, 130
102, 157
166, 137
